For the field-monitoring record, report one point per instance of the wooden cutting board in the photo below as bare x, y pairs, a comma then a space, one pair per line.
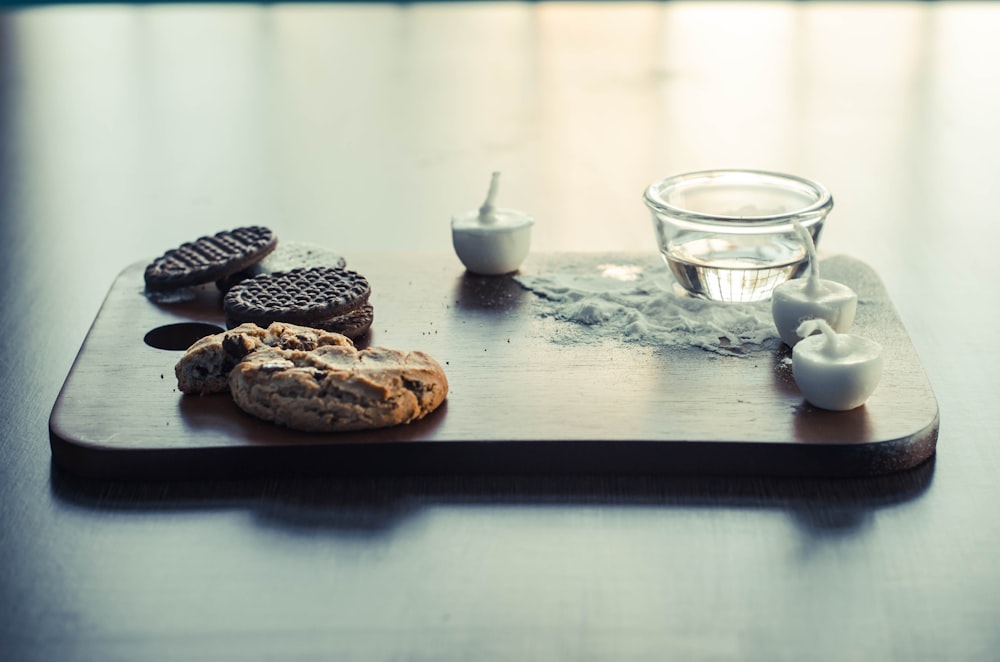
519, 402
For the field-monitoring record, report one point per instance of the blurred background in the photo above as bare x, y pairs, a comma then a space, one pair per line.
135, 114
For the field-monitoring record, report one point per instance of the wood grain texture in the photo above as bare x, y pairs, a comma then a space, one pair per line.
519, 402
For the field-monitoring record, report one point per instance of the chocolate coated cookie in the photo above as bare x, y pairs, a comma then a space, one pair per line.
300, 296
209, 258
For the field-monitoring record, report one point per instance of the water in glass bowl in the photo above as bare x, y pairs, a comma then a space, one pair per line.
744, 270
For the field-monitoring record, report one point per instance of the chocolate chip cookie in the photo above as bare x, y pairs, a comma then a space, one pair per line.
206, 365
338, 388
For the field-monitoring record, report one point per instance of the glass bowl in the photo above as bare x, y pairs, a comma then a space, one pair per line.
728, 235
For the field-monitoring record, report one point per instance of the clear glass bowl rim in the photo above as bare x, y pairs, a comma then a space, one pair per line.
819, 208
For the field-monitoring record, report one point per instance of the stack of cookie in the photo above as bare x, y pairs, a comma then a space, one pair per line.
328, 298
265, 282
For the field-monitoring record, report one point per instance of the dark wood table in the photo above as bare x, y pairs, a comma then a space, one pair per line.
125, 130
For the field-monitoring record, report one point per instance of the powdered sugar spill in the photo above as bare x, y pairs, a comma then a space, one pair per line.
636, 302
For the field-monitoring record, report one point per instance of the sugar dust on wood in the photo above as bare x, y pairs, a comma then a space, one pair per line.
636, 302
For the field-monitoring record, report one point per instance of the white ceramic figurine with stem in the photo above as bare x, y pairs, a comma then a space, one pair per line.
811, 297
492, 241
835, 371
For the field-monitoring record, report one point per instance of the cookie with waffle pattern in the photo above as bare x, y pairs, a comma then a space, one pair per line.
209, 258
300, 296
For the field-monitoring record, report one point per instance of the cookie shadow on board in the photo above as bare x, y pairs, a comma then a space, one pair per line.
374, 505
197, 302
